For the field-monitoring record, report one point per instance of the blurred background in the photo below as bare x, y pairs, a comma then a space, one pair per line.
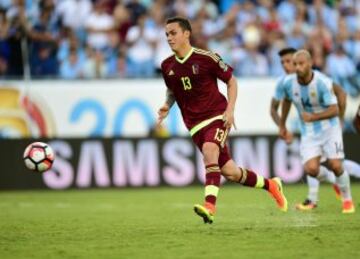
84, 75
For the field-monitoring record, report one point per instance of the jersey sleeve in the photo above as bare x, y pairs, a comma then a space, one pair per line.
279, 90
327, 92
222, 70
164, 74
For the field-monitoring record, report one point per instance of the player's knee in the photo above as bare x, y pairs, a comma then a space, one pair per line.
210, 152
229, 175
312, 170
336, 167
230, 171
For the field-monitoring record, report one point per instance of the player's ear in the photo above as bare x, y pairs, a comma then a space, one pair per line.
187, 34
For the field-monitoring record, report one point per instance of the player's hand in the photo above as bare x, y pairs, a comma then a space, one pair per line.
228, 118
289, 137
283, 132
307, 117
162, 113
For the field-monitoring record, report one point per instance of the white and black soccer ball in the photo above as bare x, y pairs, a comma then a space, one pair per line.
38, 157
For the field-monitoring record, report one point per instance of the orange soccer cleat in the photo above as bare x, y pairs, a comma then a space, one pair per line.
307, 205
348, 207
207, 212
276, 191
337, 191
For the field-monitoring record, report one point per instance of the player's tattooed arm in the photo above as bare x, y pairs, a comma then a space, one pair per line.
170, 99
164, 110
341, 98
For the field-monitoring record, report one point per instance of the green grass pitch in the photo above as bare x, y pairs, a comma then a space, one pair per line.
160, 223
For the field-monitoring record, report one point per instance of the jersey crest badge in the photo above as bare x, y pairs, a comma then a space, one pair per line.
195, 69
171, 73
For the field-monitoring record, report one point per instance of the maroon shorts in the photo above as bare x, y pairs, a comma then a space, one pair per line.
216, 133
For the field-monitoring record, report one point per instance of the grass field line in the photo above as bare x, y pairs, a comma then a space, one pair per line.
301, 219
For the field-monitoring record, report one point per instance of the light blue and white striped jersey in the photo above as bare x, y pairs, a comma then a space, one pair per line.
315, 97
279, 89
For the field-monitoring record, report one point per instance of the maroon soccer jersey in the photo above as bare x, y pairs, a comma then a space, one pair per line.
193, 81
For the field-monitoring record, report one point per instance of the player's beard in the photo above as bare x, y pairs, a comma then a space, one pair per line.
303, 75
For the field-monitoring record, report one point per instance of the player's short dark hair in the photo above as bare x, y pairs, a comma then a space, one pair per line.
286, 51
183, 23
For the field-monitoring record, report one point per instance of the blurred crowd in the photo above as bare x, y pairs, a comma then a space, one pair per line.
73, 39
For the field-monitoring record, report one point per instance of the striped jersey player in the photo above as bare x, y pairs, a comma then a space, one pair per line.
321, 135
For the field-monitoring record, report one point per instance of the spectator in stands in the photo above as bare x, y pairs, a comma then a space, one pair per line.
18, 29
111, 54
73, 14
136, 10
162, 49
287, 11
341, 68
248, 61
71, 67
352, 48
315, 25
99, 24
44, 43
4, 44
318, 56
122, 21
141, 41
319, 12
95, 65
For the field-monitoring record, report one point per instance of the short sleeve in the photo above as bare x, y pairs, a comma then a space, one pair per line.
327, 92
222, 70
279, 90
164, 75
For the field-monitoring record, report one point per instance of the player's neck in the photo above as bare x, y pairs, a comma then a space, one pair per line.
183, 52
306, 79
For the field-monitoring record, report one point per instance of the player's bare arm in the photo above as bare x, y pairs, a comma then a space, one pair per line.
274, 107
164, 110
232, 94
285, 109
331, 111
341, 99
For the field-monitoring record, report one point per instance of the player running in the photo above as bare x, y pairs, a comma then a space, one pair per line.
191, 79
353, 168
321, 135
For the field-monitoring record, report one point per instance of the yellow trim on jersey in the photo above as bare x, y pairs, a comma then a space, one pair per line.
211, 190
182, 61
204, 123
222, 144
209, 54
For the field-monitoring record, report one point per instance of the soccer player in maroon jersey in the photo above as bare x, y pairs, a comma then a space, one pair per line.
191, 79
357, 120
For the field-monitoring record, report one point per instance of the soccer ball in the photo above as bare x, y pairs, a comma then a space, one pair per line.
38, 157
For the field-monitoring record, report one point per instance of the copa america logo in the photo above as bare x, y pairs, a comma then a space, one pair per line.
24, 115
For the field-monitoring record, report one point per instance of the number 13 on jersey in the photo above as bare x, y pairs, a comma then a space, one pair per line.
186, 83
